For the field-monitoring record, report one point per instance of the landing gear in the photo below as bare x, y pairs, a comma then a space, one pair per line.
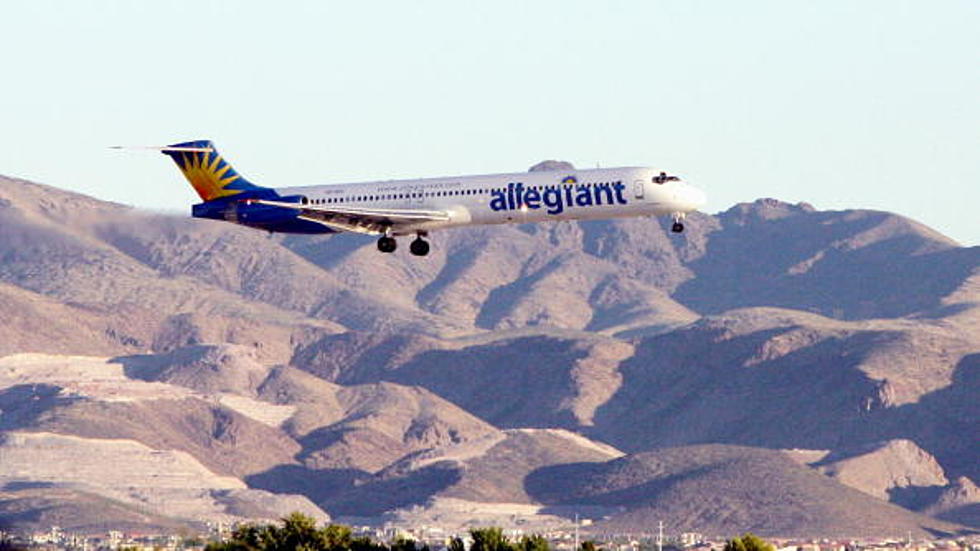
419, 247
387, 244
677, 227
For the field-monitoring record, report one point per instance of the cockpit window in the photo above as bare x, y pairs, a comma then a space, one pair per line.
663, 177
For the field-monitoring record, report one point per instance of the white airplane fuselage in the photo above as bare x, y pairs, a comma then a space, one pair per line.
517, 198
402, 207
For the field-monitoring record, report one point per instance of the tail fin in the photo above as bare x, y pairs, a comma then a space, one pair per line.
211, 176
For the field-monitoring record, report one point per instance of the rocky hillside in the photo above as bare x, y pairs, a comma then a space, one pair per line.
719, 489
238, 375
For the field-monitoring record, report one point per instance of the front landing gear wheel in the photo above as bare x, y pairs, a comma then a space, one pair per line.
419, 247
387, 244
677, 227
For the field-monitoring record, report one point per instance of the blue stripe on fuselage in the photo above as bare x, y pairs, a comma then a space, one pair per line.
264, 217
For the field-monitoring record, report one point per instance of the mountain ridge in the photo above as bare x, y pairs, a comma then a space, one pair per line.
354, 383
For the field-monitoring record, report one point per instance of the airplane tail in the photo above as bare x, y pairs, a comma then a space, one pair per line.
205, 169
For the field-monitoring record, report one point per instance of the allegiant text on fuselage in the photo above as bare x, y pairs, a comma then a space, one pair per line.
557, 198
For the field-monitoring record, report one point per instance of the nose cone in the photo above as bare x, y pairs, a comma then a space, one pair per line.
694, 197
701, 198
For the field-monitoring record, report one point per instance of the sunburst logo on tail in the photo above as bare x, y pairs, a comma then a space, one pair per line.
210, 175
206, 170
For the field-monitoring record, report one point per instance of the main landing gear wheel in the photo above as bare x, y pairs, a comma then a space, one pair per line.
387, 244
677, 227
419, 247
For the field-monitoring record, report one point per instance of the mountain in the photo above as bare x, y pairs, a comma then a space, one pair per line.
489, 470
959, 502
367, 426
170, 483
600, 276
780, 379
256, 374
568, 377
841, 264
719, 489
812, 382
34, 507
34, 322
881, 469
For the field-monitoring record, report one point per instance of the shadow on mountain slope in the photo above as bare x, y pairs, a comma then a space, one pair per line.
327, 251
683, 388
502, 300
320, 485
472, 379
946, 422
349, 492
22, 405
968, 515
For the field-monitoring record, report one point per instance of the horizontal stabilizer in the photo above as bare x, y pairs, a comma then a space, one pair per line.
165, 148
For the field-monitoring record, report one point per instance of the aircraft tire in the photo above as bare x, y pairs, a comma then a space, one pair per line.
419, 247
677, 227
387, 244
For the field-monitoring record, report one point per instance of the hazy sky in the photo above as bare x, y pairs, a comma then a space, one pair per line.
841, 103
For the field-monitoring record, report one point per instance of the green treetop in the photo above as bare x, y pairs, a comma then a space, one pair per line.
748, 542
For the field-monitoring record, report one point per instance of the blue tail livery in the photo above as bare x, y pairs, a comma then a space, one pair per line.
210, 174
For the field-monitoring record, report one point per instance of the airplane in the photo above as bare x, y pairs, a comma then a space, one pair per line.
395, 208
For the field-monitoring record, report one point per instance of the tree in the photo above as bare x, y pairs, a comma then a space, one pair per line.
403, 544
490, 539
244, 538
588, 545
298, 532
533, 542
336, 536
8, 545
456, 544
748, 542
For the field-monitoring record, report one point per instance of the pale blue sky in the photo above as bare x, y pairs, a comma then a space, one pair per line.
841, 103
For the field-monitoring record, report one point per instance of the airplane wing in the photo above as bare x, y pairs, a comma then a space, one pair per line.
358, 219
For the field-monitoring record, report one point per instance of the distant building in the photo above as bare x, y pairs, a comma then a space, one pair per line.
690, 539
